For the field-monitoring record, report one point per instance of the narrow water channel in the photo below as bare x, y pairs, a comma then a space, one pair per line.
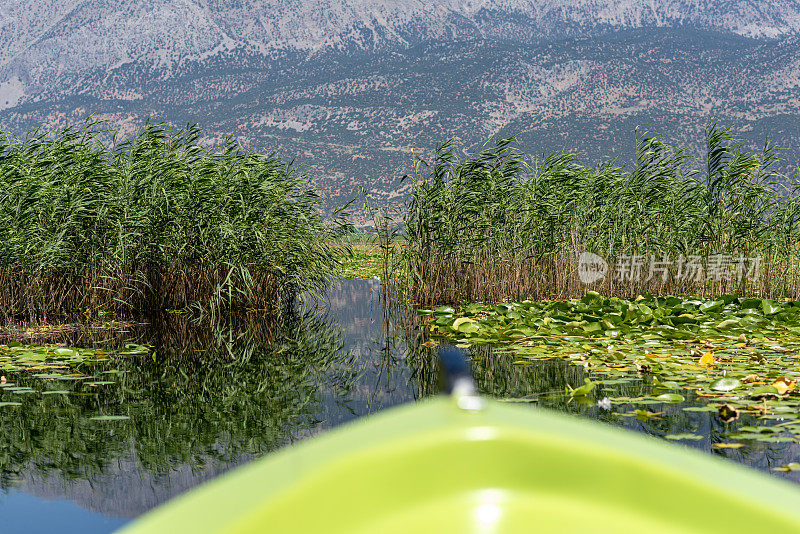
212, 399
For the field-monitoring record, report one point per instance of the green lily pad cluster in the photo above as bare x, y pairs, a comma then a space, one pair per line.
19, 357
671, 318
54, 359
736, 355
366, 261
42, 365
361, 264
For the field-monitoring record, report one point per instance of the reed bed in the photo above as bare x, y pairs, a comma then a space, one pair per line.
156, 221
498, 225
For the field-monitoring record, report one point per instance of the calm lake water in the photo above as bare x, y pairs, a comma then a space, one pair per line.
212, 399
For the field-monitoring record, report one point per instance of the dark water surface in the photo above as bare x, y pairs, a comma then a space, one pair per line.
212, 399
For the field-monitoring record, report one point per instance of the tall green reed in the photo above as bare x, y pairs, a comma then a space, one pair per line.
154, 221
498, 224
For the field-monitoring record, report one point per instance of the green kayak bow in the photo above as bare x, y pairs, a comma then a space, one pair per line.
466, 464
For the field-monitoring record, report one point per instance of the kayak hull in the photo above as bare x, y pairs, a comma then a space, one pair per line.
434, 467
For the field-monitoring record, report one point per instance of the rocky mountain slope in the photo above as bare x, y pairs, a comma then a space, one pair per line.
351, 87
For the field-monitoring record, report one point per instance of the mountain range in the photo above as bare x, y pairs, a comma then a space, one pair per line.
354, 90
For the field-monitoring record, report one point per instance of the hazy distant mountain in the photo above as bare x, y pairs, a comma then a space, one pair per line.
351, 86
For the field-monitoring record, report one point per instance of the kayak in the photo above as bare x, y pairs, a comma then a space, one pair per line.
467, 464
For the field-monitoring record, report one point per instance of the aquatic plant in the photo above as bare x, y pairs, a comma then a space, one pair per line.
734, 355
497, 224
154, 221
167, 396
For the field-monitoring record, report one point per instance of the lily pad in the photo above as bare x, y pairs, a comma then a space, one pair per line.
683, 436
792, 466
670, 397
736, 355
726, 384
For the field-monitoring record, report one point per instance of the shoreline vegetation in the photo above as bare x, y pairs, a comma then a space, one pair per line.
495, 244
496, 225
90, 222
153, 222
101, 236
